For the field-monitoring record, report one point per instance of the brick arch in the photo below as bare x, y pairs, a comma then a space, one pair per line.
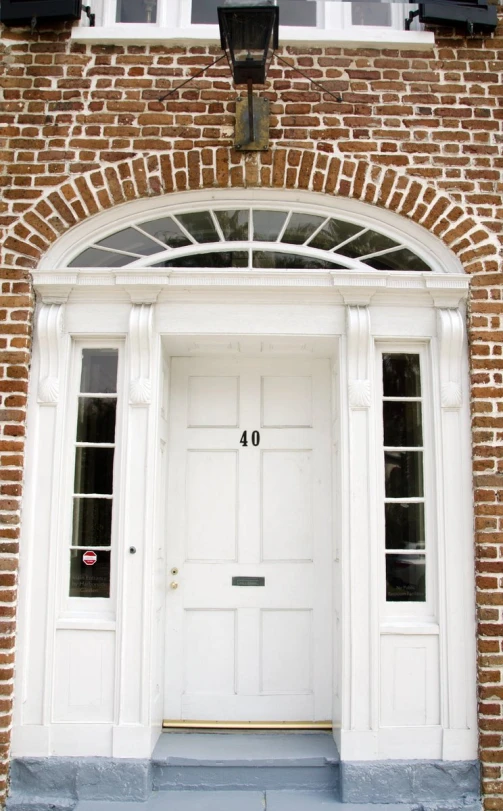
144, 176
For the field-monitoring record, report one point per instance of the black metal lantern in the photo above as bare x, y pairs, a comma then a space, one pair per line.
249, 35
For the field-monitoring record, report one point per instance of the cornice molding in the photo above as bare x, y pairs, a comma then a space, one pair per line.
451, 336
358, 348
49, 331
356, 288
140, 338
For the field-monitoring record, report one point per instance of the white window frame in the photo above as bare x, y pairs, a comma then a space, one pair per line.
103, 608
425, 612
174, 24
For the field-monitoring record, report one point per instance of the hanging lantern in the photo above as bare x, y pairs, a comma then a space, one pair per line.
249, 35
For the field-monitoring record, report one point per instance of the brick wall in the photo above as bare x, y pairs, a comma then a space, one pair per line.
417, 132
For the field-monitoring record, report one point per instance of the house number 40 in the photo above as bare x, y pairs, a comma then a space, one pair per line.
255, 439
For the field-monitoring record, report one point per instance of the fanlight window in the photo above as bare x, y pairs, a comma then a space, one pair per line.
250, 238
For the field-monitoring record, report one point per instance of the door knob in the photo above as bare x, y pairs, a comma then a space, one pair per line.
173, 585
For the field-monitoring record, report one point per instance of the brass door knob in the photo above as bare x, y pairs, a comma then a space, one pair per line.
173, 585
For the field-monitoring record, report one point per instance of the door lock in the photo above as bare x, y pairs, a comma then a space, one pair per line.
174, 570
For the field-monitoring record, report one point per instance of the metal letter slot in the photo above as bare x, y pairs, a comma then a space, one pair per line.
248, 581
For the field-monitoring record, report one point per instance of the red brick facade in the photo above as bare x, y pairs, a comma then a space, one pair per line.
417, 132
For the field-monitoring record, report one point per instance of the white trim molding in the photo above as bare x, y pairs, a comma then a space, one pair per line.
358, 336
451, 336
140, 336
50, 331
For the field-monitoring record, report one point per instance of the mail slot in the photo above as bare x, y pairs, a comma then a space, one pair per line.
248, 581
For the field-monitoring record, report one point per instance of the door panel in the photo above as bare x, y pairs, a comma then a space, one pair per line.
249, 652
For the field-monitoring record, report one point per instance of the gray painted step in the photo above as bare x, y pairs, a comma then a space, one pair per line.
245, 761
250, 801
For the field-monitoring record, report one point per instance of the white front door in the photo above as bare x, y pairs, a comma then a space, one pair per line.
249, 541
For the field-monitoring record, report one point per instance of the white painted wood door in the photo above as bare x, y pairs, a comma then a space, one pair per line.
249, 653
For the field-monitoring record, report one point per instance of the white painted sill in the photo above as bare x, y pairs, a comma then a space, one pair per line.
354, 37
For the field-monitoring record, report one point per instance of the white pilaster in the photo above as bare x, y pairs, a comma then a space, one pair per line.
132, 736
358, 738
41, 525
455, 544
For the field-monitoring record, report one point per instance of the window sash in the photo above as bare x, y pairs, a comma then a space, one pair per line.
411, 610
102, 608
331, 16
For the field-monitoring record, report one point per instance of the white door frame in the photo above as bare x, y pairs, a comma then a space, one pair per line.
351, 310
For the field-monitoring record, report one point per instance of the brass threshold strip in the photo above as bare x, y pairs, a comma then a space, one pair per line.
265, 725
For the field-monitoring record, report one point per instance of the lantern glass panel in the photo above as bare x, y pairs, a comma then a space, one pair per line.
249, 36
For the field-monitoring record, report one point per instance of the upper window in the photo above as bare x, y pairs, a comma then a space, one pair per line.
245, 237
329, 15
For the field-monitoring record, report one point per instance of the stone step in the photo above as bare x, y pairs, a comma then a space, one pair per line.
233, 801
241, 772
198, 761
240, 801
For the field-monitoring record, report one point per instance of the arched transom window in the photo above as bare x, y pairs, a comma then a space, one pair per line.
251, 237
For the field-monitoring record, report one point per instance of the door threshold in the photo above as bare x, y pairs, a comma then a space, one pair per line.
222, 726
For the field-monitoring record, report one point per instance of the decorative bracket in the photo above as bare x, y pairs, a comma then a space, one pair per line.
140, 336
50, 329
358, 337
451, 333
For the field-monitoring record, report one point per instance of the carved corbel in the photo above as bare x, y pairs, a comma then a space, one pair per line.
451, 334
140, 337
358, 337
50, 330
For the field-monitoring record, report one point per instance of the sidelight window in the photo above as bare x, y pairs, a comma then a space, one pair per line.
91, 541
404, 516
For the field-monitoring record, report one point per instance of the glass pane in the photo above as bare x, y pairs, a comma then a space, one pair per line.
274, 259
96, 419
234, 224
267, 225
401, 375
130, 240
94, 468
99, 371
218, 259
404, 526
297, 12
300, 228
405, 578
369, 242
89, 581
136, 11
92, 522
333, 233
370, 13
402, 424
167, 231
94, 258
398, 260
204, 12
403, 473
200, 225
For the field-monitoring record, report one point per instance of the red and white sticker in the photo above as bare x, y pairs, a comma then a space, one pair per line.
89, 557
